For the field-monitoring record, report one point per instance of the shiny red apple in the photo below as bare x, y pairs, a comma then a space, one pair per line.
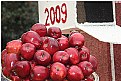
54, 32
73, 55
40, 29
58, 71
61, 56
86, 68
10, 60
27, 51
31, 37
39, 73
75, 73
50, 45
14, 46
63, 42
42, 57
22, 68
94, 62
84, 54
76, 40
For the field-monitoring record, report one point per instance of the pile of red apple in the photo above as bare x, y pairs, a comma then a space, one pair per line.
43, 54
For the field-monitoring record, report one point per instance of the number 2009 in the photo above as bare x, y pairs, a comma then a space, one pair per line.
56, 15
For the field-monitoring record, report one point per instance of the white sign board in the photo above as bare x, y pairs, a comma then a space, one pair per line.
57, 13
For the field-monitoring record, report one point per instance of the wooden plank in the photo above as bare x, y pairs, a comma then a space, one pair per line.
117, 55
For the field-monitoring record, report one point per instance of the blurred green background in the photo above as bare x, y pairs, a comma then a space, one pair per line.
17, 17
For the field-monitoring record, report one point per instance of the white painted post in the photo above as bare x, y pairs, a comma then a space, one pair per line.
112, 61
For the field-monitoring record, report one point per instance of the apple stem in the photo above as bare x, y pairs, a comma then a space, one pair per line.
40, 43
54, 34
62, 56
43, 54
57, 69
83, 55
77, 47
27, 47
86, 68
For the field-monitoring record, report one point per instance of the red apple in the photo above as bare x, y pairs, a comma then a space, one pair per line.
94, 62
63, 42
31, 37
84, 54
61, 56
3, 57
54, 32
75, 73
22, 68
10, 60
14, 46
76, 40
27, 51
50, 45
42, 57
86, 68
39, 73
58, 71
40, 29
73, 54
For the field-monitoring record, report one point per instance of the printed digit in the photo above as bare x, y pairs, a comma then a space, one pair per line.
64, 11
46, 23
58, 14
52, 13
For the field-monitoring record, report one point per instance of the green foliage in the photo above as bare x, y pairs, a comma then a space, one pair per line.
17, 17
